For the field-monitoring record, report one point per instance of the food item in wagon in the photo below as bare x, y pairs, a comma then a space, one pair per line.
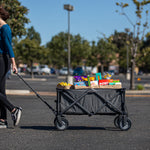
112, 83
82, 83
107, 76
110, 80
103, 82
80, 78
116, 81
64, 84
94, 83
89, 80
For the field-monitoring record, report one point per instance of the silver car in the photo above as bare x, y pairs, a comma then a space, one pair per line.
64, 71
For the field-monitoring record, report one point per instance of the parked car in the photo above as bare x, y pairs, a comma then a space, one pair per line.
78, 71
140, 73
35, 70
52, 71
111, 72
64, 71
44, 69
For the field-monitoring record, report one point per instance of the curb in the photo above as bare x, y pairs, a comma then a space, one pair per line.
17, 92
35, 79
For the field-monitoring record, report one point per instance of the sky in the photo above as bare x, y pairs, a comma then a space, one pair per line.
90, 18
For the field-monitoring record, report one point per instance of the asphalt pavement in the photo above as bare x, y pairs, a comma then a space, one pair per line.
36, 130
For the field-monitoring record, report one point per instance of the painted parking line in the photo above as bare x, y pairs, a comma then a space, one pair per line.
44, 93
137, 95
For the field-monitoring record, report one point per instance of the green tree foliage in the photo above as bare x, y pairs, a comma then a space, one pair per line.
92, 57
105, 52
33, 48
58, 49
17, 18
80, 50
45, 56
33, 35
123, 42
143, 61
28, 51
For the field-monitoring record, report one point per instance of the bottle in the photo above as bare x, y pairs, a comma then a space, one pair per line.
88, 80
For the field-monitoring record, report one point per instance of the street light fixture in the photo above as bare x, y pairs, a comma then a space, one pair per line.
69, 8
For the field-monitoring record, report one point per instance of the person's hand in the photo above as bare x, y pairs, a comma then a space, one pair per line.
14, 68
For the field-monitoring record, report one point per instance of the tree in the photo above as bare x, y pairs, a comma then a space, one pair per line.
17, 18
28, 51
122, 40
92, 57
136, 31
143, 54
105, 52
80, 50
33, 35
58, 49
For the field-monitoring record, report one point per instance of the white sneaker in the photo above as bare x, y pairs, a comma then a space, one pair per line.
3, 124
16, 115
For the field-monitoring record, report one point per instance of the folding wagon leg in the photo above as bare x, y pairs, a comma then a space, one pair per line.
122, 121
60, 122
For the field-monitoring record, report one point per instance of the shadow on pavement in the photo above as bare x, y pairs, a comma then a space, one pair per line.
70, 128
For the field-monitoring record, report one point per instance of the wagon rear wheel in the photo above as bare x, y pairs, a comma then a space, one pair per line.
61, 124
125, 125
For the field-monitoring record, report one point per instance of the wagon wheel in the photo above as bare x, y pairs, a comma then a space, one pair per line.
125, 125
61, 124
116, 122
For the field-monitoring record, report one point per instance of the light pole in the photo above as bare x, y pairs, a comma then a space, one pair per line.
69, 8
128, 72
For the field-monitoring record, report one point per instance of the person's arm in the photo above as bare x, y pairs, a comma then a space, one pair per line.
7, 39
14, 68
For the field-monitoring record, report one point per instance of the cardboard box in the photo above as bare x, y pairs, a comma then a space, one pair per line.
94, 83
82, 83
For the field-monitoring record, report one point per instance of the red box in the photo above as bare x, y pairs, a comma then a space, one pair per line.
103, 82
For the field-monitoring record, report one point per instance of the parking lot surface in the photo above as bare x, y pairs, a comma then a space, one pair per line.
36, 130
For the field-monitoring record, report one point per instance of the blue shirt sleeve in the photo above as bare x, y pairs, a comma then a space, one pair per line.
7, 39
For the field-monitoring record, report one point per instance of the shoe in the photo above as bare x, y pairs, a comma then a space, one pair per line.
16, 115
3, 124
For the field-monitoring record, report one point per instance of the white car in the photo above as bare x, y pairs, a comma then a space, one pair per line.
44, 69
64, 71
35, 70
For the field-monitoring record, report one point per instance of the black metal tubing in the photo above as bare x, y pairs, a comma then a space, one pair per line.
123, 103
53, 110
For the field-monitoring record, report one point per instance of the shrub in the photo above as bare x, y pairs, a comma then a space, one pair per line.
139, 87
